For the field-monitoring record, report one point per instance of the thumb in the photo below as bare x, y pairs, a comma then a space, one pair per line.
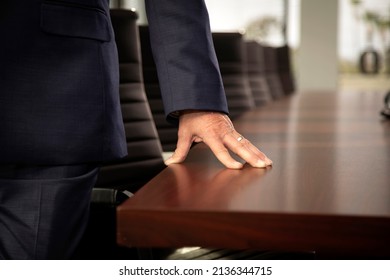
182, 149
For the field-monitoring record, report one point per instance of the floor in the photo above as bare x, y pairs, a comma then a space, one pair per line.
379, 82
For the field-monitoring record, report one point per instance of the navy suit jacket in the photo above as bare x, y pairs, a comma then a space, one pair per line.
59, 100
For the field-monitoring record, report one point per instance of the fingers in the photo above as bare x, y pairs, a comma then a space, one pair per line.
246, 150
241, 147
182, 148
217, 131
223, 155
184, 144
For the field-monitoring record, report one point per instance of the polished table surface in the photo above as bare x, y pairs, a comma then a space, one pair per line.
328, 191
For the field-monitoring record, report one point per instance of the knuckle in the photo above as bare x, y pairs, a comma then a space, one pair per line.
221, 151
244, 143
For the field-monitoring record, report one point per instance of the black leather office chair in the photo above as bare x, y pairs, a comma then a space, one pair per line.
231, 52
256, 73
117, 180
144, 158
271, 71
284, 69
386, 108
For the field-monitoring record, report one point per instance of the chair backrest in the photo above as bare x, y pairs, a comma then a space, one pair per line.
167, 132
144, 158
256, 73
231, 52
271, 71
284, 69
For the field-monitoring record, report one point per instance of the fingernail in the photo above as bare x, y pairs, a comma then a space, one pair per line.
260, 164
268, 161
237, 165
169, 161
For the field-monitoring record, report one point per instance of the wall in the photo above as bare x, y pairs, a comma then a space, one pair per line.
317, 61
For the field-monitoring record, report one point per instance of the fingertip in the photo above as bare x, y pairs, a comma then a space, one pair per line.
260, 164
168, 161
176, 157
236, 165
171, 160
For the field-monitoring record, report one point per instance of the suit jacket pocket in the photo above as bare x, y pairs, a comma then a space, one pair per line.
75, 21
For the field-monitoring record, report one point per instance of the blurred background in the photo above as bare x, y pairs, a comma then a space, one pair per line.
335, 44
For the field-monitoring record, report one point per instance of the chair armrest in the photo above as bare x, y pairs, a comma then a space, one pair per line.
109, 197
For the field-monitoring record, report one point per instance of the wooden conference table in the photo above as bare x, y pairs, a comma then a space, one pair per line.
328, 191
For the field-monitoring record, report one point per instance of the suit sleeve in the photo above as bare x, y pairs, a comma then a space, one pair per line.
184, 54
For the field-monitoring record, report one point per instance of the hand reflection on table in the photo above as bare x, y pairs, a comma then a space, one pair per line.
207, 188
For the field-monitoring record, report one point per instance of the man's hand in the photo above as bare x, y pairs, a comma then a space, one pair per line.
215, 130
